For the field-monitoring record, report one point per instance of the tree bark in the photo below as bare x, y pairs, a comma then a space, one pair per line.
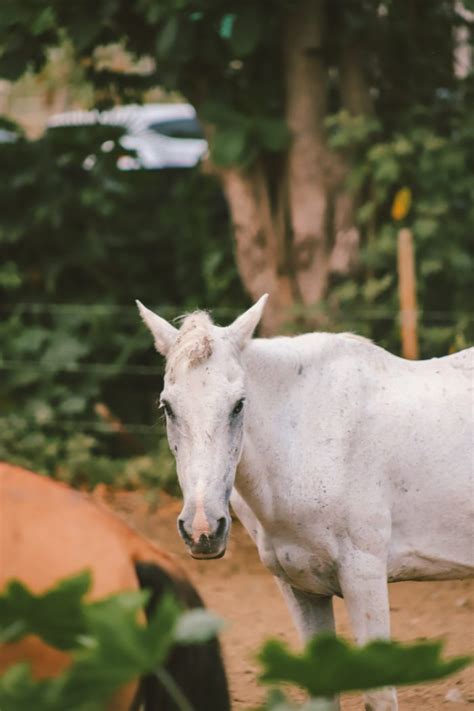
306, 102
257, 244
355, 97
291, 249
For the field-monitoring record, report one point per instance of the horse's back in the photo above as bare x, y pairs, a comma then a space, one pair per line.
405, 433
430, 468
464, 360
49, 531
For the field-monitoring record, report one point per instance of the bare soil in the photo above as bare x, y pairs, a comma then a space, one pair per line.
241, 590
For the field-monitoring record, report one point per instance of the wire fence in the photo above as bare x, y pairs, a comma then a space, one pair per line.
103, 369
129, 312
167, 311
104, 428
117, 369
121, 310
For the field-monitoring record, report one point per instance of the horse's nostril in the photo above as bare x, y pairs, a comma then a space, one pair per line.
185, 535
221, 526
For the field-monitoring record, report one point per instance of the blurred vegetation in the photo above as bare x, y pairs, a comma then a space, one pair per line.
78, 246
109, 648
434, 170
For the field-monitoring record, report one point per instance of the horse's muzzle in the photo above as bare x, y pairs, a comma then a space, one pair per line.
203, 550
209, 545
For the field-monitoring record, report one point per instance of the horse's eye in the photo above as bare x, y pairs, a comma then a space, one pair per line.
167, 408
238, 407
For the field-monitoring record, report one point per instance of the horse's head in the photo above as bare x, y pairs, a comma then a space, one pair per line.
204, 402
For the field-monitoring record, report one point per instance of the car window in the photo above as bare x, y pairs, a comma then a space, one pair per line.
178, 128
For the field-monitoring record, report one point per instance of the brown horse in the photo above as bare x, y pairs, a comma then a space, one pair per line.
48, 531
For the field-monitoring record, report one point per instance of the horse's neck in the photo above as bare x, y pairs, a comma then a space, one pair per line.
274, 365
276, 370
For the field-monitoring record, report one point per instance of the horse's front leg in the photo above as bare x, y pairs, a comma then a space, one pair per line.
312, 614
363, 582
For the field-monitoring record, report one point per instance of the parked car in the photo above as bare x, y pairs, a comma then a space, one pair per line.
7, 136
161, 135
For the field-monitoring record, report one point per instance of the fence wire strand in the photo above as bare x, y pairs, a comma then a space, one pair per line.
155, 429
91, 368
98, 309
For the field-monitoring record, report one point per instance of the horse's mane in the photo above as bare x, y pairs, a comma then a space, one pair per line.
356, 337
194, 343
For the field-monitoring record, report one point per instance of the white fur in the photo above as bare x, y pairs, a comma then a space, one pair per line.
350, 466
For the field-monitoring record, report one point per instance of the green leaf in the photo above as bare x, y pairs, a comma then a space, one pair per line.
277, 701
10, 276
43, 21
56, 616
64, 352
246, 30
366, 212
109, 645
374, 287
167, 37
425, 227
30, 340
73, 405
387, 170
273, 133
159, 634
347, 291
330, 665
229, 145
430, 266
19, 691
197, 625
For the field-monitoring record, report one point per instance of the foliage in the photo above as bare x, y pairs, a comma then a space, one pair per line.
228, 55
110, 647
227, 58
342, 667
436, 169
56, 616
70, 235
94, 240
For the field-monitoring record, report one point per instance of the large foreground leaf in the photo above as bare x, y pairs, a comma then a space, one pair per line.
330, 665
56, 616
110, 643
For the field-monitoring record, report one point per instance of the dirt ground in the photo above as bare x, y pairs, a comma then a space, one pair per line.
239, 589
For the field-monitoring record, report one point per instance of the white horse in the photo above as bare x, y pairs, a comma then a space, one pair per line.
347, 465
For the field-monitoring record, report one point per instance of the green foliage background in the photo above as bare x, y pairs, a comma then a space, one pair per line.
78, 246
437, 167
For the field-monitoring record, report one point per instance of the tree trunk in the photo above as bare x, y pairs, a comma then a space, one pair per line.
257, 243
292, 248
308, 199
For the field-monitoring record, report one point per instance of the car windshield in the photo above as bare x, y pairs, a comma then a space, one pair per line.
178, 128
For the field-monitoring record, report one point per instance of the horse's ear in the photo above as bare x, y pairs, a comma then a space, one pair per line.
163, 332
243, 327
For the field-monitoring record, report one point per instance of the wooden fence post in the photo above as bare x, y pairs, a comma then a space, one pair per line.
407, 294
